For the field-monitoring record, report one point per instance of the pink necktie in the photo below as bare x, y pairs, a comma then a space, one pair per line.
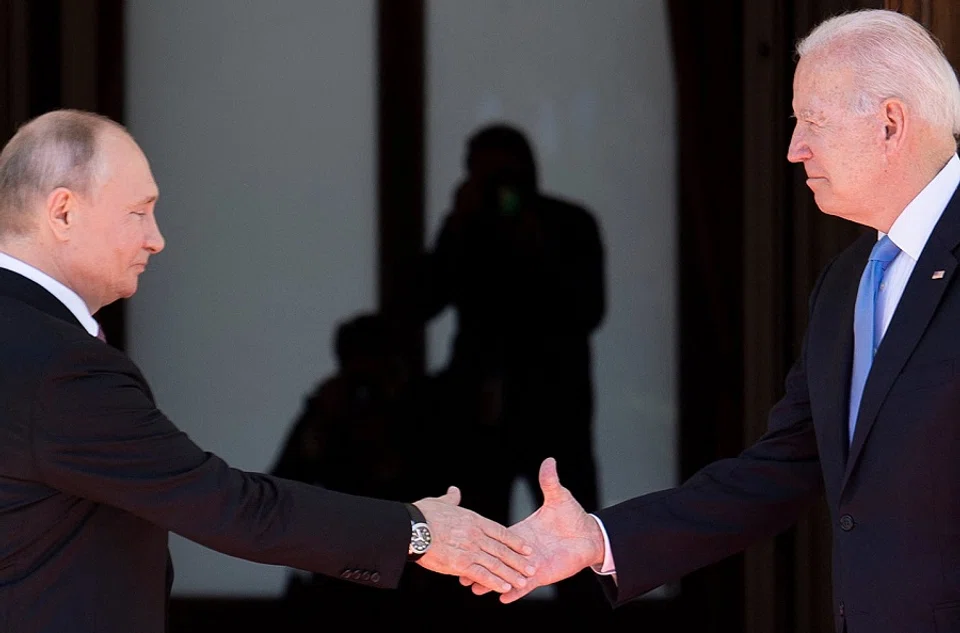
100, 334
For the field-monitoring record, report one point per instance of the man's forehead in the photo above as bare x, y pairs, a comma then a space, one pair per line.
807, 104
134, 184
818, 83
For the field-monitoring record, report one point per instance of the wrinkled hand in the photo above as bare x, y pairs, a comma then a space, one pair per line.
465, 544
564, 537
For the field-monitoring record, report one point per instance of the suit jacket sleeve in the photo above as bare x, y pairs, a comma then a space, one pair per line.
97, 434
723, 508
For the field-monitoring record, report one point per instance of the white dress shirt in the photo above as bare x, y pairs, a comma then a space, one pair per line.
909, 232
67, 297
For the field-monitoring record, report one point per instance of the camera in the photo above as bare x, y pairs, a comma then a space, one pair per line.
506, 193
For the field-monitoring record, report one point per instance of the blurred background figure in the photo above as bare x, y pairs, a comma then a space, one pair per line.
366, 428
366, 409
524, 272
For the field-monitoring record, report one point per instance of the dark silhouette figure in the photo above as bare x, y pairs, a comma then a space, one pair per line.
364, 431
352, 436
524, 272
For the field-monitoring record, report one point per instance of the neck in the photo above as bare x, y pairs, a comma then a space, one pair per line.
29, 252
902, 183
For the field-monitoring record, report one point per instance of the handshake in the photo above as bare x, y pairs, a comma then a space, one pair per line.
553, 543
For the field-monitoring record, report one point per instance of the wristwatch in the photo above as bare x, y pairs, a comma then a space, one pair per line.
420, 537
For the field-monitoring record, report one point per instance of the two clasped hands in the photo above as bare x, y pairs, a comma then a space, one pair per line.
553, 543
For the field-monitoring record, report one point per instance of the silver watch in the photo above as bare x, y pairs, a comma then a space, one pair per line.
420, 539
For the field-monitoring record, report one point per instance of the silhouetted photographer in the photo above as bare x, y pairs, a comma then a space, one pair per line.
524, 272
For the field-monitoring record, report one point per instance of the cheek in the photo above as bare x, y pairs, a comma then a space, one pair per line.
856, 171
839, 165
129, 242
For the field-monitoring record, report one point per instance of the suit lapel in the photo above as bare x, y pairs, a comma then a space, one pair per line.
836, 339
910, 320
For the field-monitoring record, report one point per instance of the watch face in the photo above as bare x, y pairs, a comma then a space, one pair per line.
420, 538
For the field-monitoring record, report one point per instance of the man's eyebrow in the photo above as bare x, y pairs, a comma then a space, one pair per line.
146, 201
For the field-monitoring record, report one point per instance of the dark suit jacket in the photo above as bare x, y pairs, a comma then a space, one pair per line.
93, 476
894, 494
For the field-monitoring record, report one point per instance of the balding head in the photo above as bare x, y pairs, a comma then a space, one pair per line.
58, 149
77, 202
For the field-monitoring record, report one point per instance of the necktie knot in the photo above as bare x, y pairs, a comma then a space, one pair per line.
884, 251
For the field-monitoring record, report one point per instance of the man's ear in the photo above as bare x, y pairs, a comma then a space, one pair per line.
894, 123
61, 212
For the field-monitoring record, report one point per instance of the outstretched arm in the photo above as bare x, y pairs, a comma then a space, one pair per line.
98, 436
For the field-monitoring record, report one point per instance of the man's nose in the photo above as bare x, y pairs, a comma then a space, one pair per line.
154, 241
798, 151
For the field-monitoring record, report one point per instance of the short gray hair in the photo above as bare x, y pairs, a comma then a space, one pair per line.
893, 57
57, 149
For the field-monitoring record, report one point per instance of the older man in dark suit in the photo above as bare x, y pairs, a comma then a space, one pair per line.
93, 475
871, 412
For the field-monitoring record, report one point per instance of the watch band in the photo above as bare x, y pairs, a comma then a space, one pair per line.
415, 515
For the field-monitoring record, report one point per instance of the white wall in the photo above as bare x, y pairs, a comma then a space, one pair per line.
592, 84
258, 118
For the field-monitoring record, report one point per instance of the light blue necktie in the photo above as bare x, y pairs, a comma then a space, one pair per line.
866, 332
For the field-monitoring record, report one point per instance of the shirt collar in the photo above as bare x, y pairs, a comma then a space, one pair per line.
913, 227
67, 297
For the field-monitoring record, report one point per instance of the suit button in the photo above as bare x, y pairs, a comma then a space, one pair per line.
846, 523
840, 611
375, 577
346, 573
365, 576
357, 574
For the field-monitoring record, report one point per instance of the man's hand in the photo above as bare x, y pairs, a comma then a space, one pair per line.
565, 538
465, 544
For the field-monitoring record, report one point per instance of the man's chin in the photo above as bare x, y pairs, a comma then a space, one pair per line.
129, 290
838, 211
826, 204
823, 205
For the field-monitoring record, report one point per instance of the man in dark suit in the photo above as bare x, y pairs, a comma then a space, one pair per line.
93, 475
871, 412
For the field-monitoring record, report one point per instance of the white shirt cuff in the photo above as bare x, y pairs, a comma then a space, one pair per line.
608, 567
